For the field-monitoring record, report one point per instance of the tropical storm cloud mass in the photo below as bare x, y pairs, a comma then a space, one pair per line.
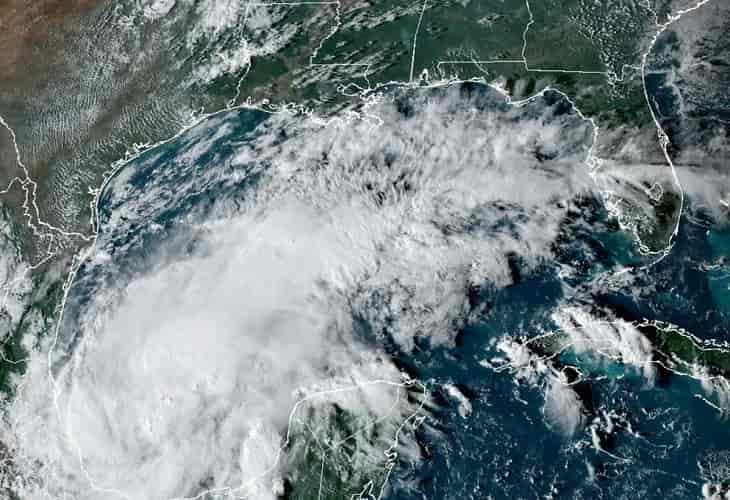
282, 269
262, 264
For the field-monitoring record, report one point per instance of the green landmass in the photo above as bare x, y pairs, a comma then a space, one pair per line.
337, 454
675, 344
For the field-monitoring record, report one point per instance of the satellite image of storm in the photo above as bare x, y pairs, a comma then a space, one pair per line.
364, 249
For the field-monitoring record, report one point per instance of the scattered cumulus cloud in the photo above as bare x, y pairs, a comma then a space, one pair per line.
615, 340
562, 407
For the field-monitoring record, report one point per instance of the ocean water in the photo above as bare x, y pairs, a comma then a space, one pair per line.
639, 437
662, 433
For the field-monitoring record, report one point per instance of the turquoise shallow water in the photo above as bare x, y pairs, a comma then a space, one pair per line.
661, 432
638, 440
719, 278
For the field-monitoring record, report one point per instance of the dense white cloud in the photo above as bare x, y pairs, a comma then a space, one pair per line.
179, 375
230, 33
15, 282
465, 406
562, 407
607, 341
